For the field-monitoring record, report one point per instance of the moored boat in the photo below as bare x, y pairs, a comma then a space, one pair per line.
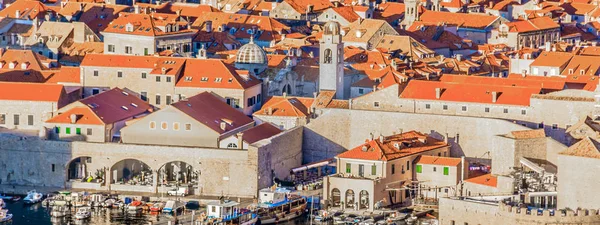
157, 207
33, 197
83, 213
135, 206
59, 211
278, 205
228, 212
5, 216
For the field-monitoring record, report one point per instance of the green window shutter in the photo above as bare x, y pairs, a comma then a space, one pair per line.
78, 130
446, 170
373, 170
68, 130
348, 168
419, 168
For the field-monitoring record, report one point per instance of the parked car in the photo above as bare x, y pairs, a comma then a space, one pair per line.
182, 191
193, 205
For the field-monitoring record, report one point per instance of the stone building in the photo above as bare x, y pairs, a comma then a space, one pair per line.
27, 106
472, 26
147, 34
438, 176
378, 172
202, 120
577, 165
51, 39
97, 118
295, 10
367, 33
532, 33
331, 60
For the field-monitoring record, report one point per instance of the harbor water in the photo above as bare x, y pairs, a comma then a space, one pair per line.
38, 215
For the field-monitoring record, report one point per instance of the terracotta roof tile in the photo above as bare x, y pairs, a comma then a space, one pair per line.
469, 20
528, 134
587, 148
28, 9
85, 116
438, 160
287, 107
116, 105
487, 180
260, 132
17, 91
147, 24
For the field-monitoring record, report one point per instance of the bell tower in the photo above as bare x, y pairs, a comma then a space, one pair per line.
331, 62
411, 12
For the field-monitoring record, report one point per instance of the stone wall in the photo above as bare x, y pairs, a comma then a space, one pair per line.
578, 182
277, 156
456, 211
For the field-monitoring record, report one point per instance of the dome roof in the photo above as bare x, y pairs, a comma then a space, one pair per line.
331, 28
251, 54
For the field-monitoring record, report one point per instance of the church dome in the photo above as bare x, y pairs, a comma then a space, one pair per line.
251, 54
331, 28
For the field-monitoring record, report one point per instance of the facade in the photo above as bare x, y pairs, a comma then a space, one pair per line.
148, 34
27, 106
532, 33
377, 172
367, 33
438, 176
54, 39
299, 10
202, 120
576, 165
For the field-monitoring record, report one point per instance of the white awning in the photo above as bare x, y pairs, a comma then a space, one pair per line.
329, 162
531, 165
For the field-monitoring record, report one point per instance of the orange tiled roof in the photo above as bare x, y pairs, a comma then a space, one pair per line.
290, 106
85, 116
477, 21
535, 24
554, 59
96, 15
527, 134
17, 91
28, 9
515, 80
589, 65
574, 8
394, 147
467, 92
172, 64
214, 73
486, 179
67, 74
347, 12
301, 5
260, 132
587, 148
269, 27
438, 160
154, 24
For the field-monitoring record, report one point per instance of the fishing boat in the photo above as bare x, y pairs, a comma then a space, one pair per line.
5, 216
33, 197
278, 205
83, 213
228, 212
108, 203
173, 206
135, 206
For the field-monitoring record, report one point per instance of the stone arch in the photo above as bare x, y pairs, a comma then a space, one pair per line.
287, 89
131, 170
177, 171
335, 197
350, 201
78, 168
327, 56
363, 199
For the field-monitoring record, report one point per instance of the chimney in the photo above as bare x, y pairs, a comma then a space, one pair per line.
381, 138
208, 26
223, 125
284, 94
491, 4
548, 46
371, 136
458, 57
524, 73
17, 13
240, 140
136, 9
462, 164
81, 7
438, 93
494, 96
163, 70
446, 138
282, 37
365, 148
73, 118
270, 111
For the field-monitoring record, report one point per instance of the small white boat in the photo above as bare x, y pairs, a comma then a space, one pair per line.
58, 212
172, 206
135, 206
33, 197
108, 203
4, 216
83, 213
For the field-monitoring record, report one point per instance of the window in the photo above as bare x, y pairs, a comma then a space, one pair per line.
446, 171
487, 109
419, 168
373, 170
231, 145
464, 108
144, 75
393, 168
68, 130
407, 165
89, 131
16, 119
78, 130
258, 98
144, 95
540, 125
119, 74
57, 130
175, 126
434, 169
152, 125
348, 168
30, 120
158, 99
157, 78
376, 104
168, 79
168, 100
164, 125
523, 112
188, 126
361, 91
555, 126
95, 73
427, 106
128, 50
53, 167
505, 110
2, 118
95, 91
111, 48
145, 51
445, 107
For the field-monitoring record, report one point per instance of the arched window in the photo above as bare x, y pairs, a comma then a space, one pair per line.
350, 198
287, 89
232, 145
364, 199
335, 197
327, 56
152, 125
